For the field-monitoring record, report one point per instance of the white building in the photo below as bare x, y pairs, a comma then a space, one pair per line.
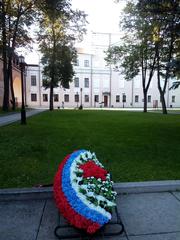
96, 85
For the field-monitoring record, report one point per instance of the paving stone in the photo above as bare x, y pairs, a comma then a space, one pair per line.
149, 213
110, 238
114, 216
177, 194
49, 222
20, 219
169, 236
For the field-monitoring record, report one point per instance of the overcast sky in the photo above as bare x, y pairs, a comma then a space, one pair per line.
103, 16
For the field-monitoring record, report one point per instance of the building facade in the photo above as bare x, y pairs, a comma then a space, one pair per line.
16, 76
96, 85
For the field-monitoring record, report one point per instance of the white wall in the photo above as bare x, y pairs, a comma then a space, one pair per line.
102, 81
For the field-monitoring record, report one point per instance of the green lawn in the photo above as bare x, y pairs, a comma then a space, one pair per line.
133, 146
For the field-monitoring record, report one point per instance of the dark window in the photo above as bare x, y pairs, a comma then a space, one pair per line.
96, 98
45, 97
33, 80
124, 98
86, 98
117, 98
173, 99
86, 82
76, 63
149, 98
56, 97
136, 98
76, 97
76, 82
66, 97
33, 97
86, 63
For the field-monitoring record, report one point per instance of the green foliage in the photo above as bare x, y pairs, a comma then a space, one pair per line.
151, 43
135, 55
165, 16
16, 19
175, 85
58, 66
59, 26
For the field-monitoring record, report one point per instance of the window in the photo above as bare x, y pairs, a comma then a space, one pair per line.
86, 98
45, 97
173, 99
117, 98
86, 82
76, 63
56, 97
76, 97
136, 98
33, 97
86, 63
76, 82
149, 98
33, 80
96, 98
66, 97
124, 98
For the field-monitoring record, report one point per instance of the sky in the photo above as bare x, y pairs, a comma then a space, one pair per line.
103, 17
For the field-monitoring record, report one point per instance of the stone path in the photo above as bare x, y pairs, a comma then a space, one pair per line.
30, 214
14, 117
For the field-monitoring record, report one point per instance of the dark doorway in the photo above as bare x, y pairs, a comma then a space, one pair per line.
105, 101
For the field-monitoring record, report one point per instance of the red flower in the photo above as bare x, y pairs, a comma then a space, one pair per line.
66, 209
90, 169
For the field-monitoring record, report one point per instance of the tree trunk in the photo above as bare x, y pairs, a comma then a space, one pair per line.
51, 107
163, 102
13, 102
4, 57
145, 101
164, 109
161, 91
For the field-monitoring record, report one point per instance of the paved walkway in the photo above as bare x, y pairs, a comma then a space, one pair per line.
14, 117
149, 211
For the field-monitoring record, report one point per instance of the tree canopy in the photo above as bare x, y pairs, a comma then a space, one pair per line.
153, 29
59, 27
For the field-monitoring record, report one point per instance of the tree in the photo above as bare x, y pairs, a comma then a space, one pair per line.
60, 25
165, 15
136, 53
58, 68
153, 26
16, 17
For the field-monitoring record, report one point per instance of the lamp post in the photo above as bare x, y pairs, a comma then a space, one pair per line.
80, 107
77, 99
23, 110
123, 99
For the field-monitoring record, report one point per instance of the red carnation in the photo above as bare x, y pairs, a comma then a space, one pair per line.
90, 169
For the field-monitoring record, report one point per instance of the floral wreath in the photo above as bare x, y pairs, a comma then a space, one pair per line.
83, 191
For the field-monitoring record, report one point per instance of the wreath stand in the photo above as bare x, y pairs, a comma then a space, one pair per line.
113, 228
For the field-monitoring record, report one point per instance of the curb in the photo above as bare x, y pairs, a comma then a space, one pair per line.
147, 187
12, 194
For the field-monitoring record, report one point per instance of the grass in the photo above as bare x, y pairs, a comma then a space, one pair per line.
133, 146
